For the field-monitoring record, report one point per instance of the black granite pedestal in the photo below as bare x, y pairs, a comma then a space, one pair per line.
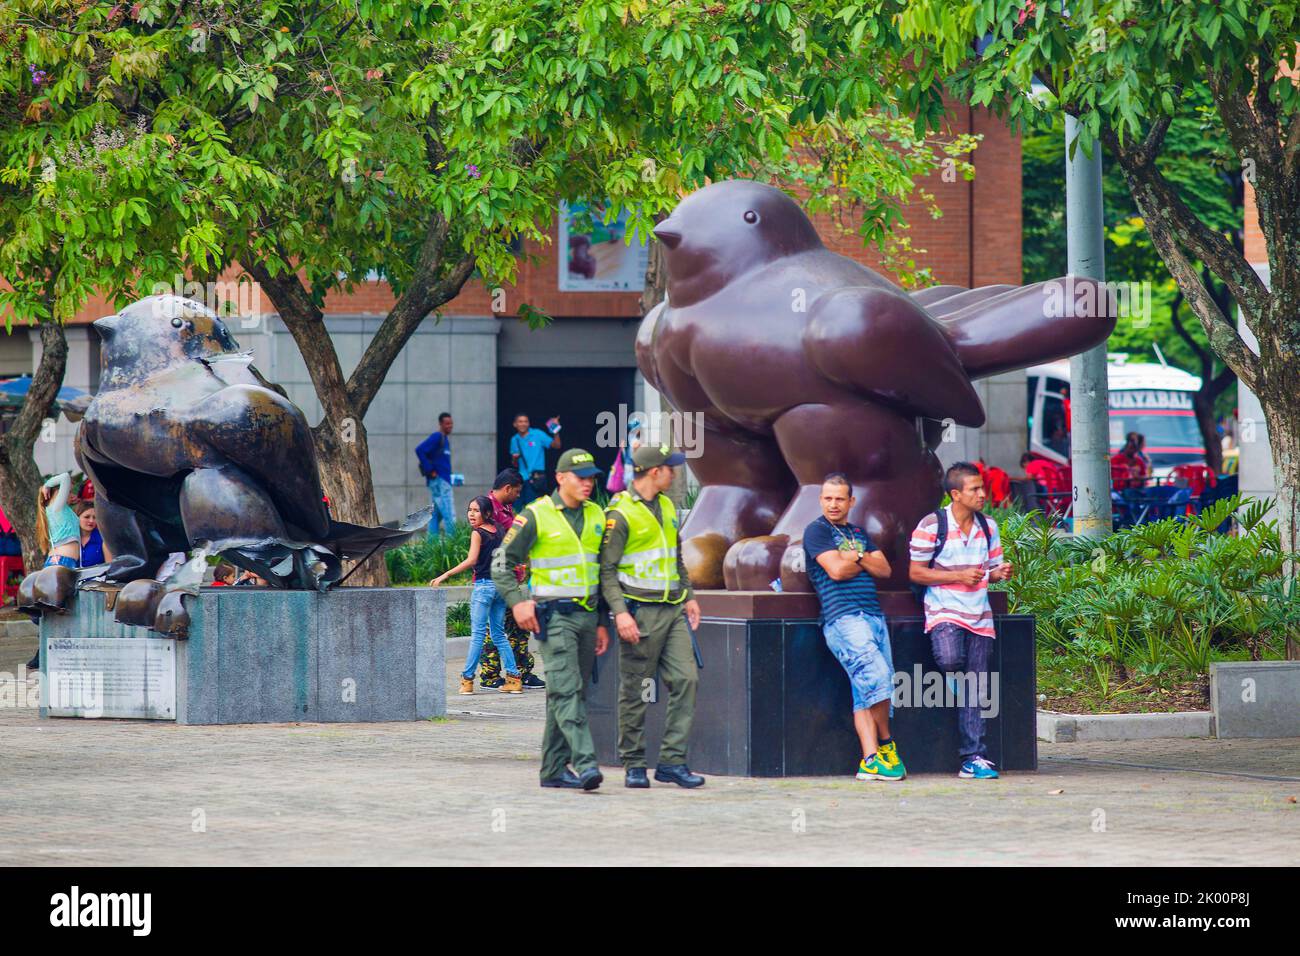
774, 702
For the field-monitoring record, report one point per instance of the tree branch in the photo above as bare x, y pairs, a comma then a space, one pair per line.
1222, 334
1160, 204
421, 297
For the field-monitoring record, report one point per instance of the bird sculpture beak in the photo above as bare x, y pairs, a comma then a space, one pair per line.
106, 325
668, 235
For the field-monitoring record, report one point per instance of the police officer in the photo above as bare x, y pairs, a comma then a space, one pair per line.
557, 537
643, 580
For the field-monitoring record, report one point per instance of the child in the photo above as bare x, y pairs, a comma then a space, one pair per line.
485, 602
224, 575
58, 531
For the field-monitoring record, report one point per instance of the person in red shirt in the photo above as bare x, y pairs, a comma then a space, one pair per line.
506, 489
1128, 466
997, 483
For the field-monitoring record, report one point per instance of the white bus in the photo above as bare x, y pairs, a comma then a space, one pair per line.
1155, 400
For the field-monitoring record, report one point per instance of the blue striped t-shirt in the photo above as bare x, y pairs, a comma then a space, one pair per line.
839, 598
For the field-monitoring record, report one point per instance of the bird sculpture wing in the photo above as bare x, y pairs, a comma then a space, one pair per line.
267, 436
882, 345
1000, 328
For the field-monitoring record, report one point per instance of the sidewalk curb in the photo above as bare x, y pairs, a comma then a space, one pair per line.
1070, 728
17, 629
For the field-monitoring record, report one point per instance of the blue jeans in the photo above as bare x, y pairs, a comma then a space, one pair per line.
487, 605
860, 642
62, 560
959, 651
444, 508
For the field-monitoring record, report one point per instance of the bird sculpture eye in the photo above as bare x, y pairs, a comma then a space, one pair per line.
751, 217
177, 323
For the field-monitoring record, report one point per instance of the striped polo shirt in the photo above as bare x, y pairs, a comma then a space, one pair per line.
966, 605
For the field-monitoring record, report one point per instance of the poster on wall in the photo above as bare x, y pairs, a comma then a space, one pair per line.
600, 260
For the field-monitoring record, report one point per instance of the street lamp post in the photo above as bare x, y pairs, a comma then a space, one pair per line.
1089, 392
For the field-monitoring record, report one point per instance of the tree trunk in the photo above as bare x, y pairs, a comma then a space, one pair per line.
1283, 418
343, 454
342, 451
1203, 405
20, 479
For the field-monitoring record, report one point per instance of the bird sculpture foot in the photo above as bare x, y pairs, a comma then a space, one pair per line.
172, 619
137, 603
703, 555
49, 589
752, 564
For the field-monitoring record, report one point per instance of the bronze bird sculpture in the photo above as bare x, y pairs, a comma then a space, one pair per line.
802, 362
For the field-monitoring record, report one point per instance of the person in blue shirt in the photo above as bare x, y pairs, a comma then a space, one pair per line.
93, 551
841, 560
434, 454
528, 455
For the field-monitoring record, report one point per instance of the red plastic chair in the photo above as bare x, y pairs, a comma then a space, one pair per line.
1198, 477
11, 566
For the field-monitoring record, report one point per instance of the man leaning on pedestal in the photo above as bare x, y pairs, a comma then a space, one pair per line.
557, 538
842, 560
643, 580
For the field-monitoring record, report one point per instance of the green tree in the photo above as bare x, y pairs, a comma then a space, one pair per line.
1196, 155
313, 144
1128, 69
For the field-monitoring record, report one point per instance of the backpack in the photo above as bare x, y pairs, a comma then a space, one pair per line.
940, 539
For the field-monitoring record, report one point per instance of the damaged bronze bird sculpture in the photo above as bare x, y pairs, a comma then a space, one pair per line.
192, 450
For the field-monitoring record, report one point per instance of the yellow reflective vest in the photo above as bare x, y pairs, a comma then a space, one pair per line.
561, 563
649, 561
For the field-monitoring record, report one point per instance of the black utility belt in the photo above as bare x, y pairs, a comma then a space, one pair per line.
633, 603
563, 606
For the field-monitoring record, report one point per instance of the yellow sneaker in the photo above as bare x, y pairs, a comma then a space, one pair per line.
467, 686
888, 754
877, 769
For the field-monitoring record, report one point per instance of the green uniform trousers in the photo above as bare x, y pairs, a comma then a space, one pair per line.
665, 649
569, 652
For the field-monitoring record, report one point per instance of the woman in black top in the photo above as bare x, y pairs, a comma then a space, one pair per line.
486, 605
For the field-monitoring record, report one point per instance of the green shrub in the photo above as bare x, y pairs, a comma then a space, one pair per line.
1158, 598
423, 560
458, 620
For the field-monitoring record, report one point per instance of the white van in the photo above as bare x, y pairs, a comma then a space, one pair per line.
1155, 400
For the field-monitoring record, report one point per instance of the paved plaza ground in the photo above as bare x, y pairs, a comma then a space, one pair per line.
464, 791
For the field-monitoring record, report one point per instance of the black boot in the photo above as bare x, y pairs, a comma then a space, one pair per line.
35, 663
634, 778
679, 774
565, 781
591, 778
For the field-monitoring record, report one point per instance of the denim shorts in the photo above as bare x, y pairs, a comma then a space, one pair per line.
860, 642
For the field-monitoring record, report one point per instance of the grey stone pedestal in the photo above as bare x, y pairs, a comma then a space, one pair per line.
254, 655
774, 702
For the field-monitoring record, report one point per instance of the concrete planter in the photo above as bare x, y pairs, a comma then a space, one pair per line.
1256, 698
1070, 728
